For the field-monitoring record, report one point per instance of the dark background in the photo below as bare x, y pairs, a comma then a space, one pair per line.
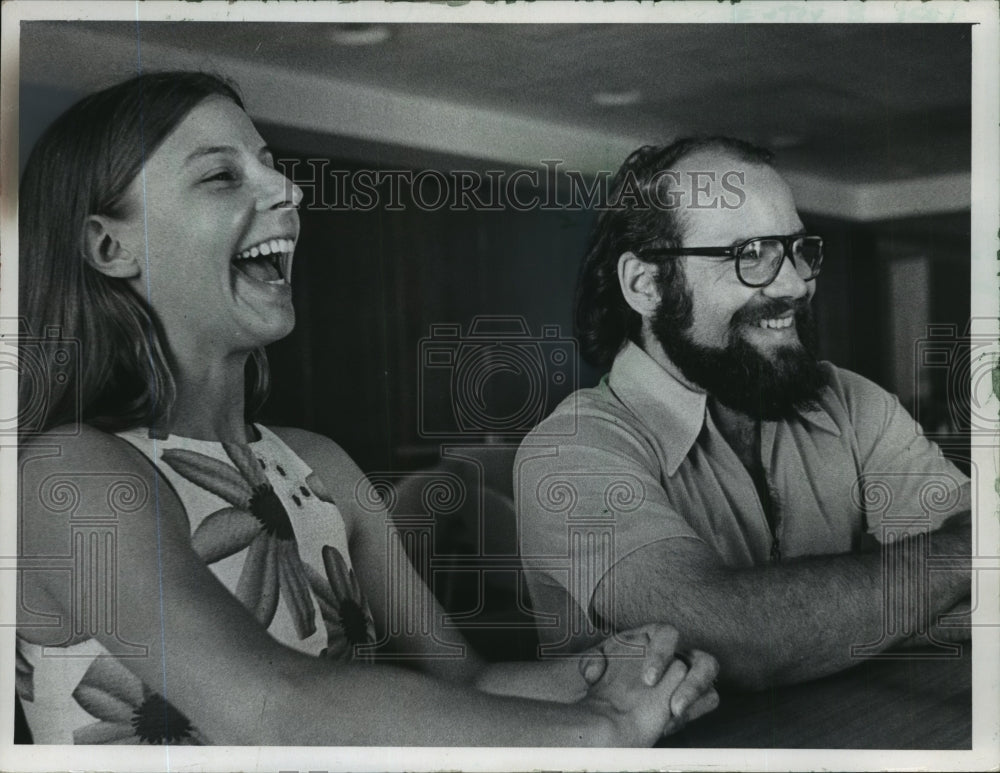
370, 285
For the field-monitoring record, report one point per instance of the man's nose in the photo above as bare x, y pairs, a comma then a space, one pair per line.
788, 283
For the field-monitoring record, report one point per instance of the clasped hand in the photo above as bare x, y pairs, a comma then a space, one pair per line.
648, 689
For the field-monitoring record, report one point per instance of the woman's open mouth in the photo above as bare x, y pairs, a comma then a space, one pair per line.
268, 261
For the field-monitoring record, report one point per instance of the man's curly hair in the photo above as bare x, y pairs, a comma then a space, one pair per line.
636, 219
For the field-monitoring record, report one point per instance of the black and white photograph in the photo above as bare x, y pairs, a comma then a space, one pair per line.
499, 386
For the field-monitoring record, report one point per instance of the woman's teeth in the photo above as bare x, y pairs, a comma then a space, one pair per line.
270, 247
777, 324
266, 261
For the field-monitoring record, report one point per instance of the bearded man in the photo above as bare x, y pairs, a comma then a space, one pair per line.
779, 511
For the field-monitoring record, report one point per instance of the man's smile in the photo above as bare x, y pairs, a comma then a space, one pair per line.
779, 323
771, 322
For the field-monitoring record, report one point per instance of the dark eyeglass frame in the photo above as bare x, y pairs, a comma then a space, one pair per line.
735, 252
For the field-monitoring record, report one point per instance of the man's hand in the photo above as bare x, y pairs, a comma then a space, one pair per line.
653, 694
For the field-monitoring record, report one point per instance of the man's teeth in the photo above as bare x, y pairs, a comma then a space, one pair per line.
270, 247
777, 324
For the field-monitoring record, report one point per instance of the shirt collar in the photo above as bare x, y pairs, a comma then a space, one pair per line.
673, 411
821, 419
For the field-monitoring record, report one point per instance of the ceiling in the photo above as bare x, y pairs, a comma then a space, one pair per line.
846, 102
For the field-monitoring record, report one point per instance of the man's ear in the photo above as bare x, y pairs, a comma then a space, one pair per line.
638, 282
104, 250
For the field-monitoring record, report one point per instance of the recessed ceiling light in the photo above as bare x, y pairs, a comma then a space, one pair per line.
616, 98
360, 34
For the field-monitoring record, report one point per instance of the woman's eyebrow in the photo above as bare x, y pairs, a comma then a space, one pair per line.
209, 150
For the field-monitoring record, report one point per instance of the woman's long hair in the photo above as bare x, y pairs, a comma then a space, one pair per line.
97, 350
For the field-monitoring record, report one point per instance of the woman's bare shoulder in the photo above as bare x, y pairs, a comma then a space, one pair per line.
86, 468
81, 445
88, 482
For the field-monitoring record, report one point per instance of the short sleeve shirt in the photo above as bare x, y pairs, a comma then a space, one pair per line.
638, 459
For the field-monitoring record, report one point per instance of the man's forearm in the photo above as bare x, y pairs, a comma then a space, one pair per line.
797, 620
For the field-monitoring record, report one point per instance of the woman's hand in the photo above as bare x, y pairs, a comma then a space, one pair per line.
639, 681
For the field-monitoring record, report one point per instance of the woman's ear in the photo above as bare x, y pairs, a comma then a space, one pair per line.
638, 283
104, 250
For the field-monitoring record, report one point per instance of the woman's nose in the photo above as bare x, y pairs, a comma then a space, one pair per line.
277, 191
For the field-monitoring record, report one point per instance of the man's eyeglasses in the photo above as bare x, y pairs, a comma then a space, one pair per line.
759, 260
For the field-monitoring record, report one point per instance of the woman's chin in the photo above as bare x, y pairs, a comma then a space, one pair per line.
284, 330
264, 331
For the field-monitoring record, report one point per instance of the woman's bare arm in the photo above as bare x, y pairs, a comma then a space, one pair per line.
213, 662
386, 581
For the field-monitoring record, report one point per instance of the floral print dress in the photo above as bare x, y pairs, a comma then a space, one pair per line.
267, 528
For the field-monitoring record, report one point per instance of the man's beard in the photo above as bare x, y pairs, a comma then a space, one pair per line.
738, 375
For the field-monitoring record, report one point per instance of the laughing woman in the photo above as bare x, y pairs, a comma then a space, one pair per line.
227, 601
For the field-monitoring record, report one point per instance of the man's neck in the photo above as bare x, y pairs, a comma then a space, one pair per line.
742, 432
654, 349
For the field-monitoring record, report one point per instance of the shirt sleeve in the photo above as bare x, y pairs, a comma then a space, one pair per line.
586, 501
906, 486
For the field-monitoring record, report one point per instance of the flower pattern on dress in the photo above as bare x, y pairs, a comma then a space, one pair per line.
127, 711
342, 605
256, 520
316, 486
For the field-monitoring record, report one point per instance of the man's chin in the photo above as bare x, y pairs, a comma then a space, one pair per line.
769, 380
765, 372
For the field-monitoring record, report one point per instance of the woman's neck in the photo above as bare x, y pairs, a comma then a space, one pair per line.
209, 404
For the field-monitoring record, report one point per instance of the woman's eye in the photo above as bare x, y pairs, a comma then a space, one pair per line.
222, 175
